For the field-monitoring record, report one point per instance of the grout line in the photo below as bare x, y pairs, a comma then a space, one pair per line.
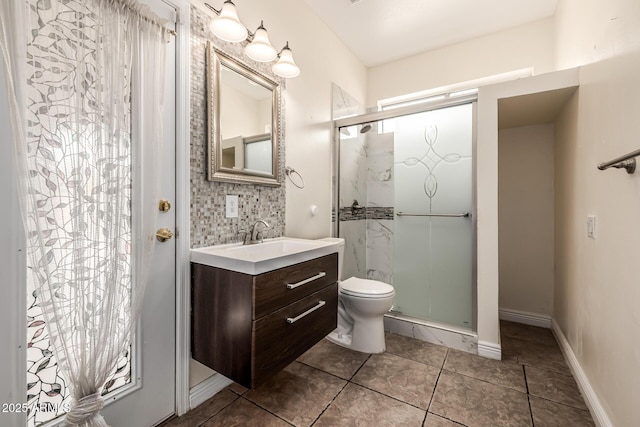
566, 373
435, 386
221, 409
361, 366
330, 373
458, 423
386, 395
417, 361
235, 392
424, 420
433, 393
526, 385
563, 404
266, 410
487, 381
330, 403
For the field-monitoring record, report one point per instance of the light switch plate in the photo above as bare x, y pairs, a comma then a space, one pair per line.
591, 226
231, 206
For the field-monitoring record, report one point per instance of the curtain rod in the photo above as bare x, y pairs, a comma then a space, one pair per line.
146, 14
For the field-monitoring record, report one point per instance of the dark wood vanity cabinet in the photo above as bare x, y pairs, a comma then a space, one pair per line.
250, 327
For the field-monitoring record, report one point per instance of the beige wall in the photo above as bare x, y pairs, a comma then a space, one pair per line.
596, 283
525, 46
590, 31
525, 212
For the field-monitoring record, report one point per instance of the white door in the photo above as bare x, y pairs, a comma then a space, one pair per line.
155, 373
150, 397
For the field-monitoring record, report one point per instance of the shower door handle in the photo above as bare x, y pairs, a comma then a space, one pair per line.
461, 215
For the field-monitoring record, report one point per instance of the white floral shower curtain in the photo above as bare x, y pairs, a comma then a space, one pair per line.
85, 79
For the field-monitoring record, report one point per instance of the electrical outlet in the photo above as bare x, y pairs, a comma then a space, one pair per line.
591, 226
231, 206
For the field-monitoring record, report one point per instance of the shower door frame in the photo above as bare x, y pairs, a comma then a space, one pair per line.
391, 113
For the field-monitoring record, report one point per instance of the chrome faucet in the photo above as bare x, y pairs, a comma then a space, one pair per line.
256, 234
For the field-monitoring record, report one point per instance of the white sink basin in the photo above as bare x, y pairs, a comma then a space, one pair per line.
262, 257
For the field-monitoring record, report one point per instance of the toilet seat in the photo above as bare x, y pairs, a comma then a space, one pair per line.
365, 288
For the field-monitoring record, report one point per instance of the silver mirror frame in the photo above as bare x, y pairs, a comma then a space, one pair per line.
215, 171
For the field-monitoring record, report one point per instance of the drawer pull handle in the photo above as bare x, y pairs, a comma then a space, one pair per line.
305, 281
311, 310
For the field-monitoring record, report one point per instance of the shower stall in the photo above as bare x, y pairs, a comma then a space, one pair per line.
404, 203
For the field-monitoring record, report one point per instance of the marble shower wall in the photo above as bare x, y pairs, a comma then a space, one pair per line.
380, 215
379, 169
352, 186
353, 172
366, 172
208, 223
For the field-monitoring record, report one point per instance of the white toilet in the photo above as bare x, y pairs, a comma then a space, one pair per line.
362, 304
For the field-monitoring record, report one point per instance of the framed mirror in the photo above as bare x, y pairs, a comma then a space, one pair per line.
243, 108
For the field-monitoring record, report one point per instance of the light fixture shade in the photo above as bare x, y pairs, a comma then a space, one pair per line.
260, 48
227, 25
286, 67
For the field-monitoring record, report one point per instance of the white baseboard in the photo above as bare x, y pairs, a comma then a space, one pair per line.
598, 413
204, 391
532, 319
489, 350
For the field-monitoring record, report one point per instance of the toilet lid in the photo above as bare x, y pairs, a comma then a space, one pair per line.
365, 288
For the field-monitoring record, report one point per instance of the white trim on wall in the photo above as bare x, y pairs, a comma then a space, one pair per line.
598, 413
13, 264
489, 350
182, 203
202, 392
532, 319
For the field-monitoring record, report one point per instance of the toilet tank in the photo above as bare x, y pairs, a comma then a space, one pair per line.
340, 243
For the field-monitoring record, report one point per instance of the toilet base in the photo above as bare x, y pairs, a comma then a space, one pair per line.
340, 338
369, 339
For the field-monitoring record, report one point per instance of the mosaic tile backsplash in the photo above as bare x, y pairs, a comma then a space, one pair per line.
208, 223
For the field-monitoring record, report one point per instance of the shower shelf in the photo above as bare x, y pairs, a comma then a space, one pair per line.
461, 215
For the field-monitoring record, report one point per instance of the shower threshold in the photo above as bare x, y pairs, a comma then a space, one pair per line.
431, 332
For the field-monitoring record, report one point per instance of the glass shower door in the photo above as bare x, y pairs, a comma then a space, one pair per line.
433, 199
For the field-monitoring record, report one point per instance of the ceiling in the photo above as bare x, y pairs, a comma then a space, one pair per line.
380, 31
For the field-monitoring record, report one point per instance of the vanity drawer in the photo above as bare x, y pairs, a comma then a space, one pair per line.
279, 288
281, 337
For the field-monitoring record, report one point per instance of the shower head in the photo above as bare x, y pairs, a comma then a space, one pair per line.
365, 128
345, 131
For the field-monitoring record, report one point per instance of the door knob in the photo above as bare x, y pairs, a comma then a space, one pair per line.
164, 205
164, 234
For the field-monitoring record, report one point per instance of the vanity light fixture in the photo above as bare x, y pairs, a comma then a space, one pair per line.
286, 67
227, 26
260, 48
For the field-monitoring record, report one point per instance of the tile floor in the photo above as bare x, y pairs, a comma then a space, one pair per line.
412, 384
